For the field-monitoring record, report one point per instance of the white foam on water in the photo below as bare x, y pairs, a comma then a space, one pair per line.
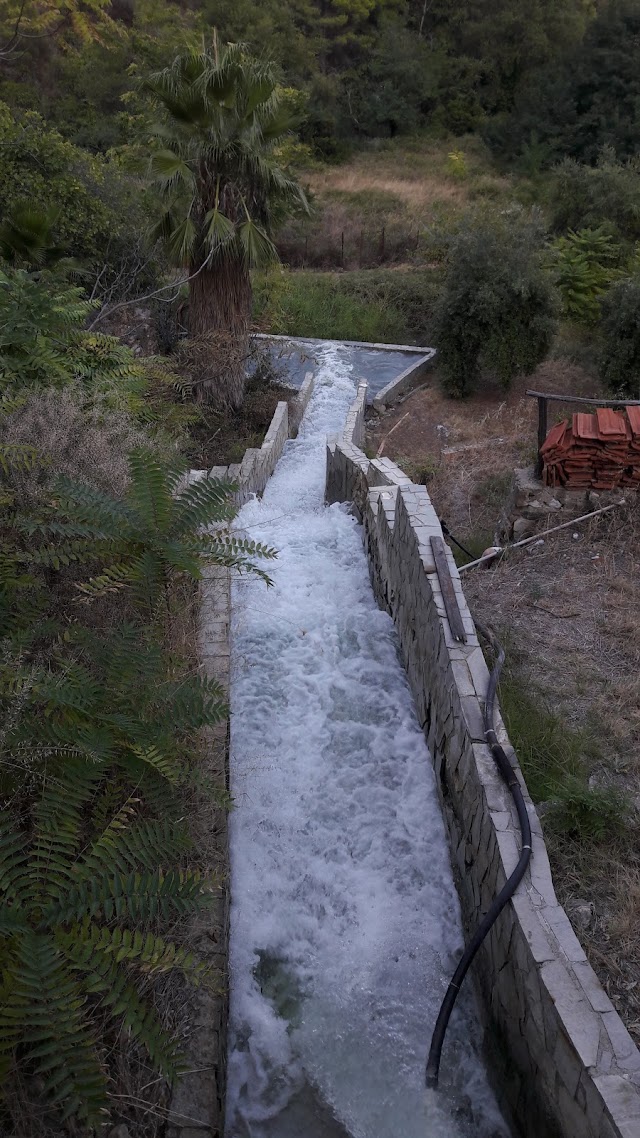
345, 923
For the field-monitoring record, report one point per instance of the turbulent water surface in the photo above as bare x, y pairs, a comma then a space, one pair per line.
294, 358
345, 922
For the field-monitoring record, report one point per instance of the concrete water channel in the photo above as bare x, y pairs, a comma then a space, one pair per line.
345, 921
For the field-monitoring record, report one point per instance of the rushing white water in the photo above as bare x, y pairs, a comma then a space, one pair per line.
345, 922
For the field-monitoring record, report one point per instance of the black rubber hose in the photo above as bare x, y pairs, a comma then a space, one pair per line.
447, 533
505, 894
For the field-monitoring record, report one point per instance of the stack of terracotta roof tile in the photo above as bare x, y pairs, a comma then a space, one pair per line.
600, 451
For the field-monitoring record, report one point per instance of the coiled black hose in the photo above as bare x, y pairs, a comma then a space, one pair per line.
509, 776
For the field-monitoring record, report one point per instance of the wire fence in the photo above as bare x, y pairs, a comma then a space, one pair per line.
349, 249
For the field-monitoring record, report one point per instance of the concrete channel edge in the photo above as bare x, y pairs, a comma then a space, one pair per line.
567, 1066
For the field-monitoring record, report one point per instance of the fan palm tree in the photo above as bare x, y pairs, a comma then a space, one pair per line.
215, 162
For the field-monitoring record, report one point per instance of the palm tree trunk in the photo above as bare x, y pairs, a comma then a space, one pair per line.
220, 312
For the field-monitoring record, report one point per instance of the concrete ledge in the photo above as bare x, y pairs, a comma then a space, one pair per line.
567, 1065
350, 343
405, 380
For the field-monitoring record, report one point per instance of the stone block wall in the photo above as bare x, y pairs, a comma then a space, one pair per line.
258, 464
566, 1065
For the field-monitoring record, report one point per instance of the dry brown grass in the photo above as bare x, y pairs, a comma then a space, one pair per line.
406, 187
417, 193
84, 439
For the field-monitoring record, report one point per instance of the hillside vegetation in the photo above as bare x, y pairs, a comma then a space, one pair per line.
464, 175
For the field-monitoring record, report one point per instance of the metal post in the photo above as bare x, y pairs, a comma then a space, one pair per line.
543, 430
342, 249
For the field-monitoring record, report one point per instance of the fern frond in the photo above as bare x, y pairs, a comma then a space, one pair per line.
58, 818
149, 491
131, 897
55, 556
192, 703
125, 845
103, 976
112, 580
85, 943
13, 857
86, 505
17, 456
203, 503
42, 1011
164, 764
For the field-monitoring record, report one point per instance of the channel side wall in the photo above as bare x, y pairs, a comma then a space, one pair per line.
197, 1104
566, 1065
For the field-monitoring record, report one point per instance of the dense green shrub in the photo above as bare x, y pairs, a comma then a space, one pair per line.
620, 353
497, 310
80, 909
606, 195
98, 214
38, 165
43, 341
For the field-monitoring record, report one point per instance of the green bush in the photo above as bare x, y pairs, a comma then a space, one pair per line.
98, 213
43, 341
496, 313
620, 351
100, 753
80, 910
38, 165
584, 265
592, 197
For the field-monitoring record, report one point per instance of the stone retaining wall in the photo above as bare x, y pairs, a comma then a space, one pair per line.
258, 464
566, 1065
532, 507
197, 1104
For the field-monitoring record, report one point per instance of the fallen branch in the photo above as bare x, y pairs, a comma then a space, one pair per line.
394, 428
499, 551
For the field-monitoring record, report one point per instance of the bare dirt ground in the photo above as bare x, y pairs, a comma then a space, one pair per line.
568, 613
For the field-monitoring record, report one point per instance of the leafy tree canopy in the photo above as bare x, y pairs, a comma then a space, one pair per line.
71, 22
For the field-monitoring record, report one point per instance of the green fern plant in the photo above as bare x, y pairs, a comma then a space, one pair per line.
43, 339
108, 699
158, 530
584, 264
78, 935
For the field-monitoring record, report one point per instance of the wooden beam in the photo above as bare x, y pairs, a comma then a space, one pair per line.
452, 609
543, 428
581, 399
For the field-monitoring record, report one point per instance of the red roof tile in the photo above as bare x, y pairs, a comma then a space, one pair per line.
610, 424
555, 437
634, 420
585, 426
